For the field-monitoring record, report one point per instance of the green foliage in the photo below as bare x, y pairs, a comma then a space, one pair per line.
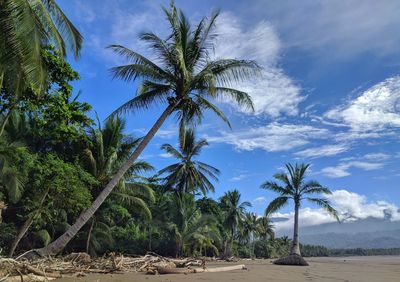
25, 27
184, 76
188, 175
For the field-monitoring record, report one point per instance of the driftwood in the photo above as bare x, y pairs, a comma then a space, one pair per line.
162, 270
81, 264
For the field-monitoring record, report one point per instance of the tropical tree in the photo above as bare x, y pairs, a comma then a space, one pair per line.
183, 78
295, 188
250, 230
192, 230
25, 27
265, 228
188, 175
234, 212
111, 147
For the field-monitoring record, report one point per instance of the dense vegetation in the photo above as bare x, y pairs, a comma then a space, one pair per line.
76, 182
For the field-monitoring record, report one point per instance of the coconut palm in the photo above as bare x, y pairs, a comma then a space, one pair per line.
188, 175
295, 188
234, 211
265, 228
191, 229
183, 78
110, 147
250, 230
25, 27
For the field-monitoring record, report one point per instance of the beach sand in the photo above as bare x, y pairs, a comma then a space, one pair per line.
374, 269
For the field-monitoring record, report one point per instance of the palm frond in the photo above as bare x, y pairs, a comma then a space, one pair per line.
276, 204
325, 204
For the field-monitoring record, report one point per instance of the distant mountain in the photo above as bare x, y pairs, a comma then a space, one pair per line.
366, 240
364, 233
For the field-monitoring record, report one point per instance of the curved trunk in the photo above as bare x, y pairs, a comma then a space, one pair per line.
89, 237
25, 227
59, 244
21, 233
296, 247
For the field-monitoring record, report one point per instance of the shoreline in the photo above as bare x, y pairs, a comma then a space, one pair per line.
325, 269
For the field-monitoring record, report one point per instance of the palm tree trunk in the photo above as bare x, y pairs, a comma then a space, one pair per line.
25, 227
296, 247
21, 233
4, 122
89, 236
59, 244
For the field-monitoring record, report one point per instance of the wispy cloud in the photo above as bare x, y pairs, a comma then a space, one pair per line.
274, 93
337, 28
342, 169
273, 137
259, 201
375, 109
350, 206
323, 151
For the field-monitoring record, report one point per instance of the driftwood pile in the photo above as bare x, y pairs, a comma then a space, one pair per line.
81, 264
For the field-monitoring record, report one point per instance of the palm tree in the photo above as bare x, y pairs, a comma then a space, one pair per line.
25, 27
110, 147
250, 230
185, 79
234, 211
188, 175
295, 188
190, 227
265, 228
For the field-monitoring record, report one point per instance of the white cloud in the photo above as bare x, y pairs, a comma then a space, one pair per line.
356, 206
273, 93
239, 177
338, 28
259, 201
375, 109
323, 151
165, 155
342, 169
350, 206
273, 137
376, 156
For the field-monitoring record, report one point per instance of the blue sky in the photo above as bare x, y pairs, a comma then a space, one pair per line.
329, 96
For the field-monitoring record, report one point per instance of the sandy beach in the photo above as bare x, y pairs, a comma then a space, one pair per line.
354, 269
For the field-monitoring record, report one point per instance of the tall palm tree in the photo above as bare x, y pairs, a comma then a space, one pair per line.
110, 147
25, 27
188, 175
183, 78
295, 188
234, 211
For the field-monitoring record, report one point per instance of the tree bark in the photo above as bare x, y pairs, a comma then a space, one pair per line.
21, 233
296, 247
59, 244
89, 236
25, 227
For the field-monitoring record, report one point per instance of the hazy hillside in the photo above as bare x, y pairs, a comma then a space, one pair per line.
366, 233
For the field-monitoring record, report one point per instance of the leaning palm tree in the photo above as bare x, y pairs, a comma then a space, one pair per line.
183, 78
234, 212
25, 27
295, 188
110, 147
188, 175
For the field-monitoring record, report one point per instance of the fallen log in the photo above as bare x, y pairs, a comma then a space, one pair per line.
162, 270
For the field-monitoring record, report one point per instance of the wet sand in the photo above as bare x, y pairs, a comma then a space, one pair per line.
354, 269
